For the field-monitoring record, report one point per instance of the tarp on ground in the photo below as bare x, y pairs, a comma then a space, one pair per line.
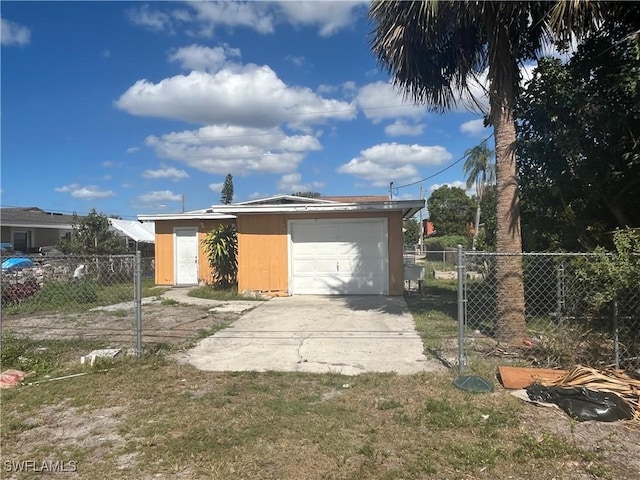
138, 231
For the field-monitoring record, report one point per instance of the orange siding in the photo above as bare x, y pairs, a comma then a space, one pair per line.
164, 248
263, 250
262, 253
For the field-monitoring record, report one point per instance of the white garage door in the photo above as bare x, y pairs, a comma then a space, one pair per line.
338, 257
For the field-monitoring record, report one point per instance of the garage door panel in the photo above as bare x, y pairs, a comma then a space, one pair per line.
338, 257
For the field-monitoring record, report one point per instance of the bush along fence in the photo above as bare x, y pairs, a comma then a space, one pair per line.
580, 309
76, 297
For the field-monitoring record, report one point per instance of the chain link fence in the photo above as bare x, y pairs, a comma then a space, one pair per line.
75, 297
574, 312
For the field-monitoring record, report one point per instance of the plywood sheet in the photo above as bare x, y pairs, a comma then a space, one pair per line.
521, 377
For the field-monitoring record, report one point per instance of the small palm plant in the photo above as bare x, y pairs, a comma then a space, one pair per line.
221, 246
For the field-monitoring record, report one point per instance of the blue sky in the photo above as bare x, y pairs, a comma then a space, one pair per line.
125, 107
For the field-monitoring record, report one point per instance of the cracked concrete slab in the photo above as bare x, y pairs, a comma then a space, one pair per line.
348, 335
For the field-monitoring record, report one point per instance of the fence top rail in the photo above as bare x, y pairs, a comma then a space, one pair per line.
536, 254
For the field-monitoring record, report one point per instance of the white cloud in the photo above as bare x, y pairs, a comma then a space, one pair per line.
89, 192
456, 183
12, 33
150, 18
219, 149
298, 61
248, 95
387, 162
203, 18
106, 53
132, 149
255, 15
255, 195
348, 89
474, 128
292, 183
160, 196
400, 128
323, 88
216, 187
165, 172
329, 17
206, 59
380, 100
477, 99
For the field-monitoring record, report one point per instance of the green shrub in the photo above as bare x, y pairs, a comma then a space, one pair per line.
221, 245
447, 242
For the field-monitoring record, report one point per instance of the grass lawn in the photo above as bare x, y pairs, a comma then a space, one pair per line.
160, 419
211, 293
79, 297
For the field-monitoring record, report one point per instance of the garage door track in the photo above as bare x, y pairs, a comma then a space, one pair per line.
340, 334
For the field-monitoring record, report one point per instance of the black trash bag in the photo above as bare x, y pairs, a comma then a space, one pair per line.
583, 404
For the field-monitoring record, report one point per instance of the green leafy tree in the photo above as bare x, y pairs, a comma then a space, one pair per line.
221, 246
487, 235
436, 50
578, 150
92, 235
411, 231
226, 196
450, 211
607, 277
480, 173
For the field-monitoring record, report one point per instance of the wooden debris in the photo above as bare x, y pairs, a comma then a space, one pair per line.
521, 377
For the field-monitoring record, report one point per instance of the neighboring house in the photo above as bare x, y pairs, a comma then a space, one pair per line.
291, 245
29, 228
427, 228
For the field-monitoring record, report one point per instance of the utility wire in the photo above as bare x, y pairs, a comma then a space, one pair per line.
441, 171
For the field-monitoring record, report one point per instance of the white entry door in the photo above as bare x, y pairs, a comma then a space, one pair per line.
338, 257
186, 256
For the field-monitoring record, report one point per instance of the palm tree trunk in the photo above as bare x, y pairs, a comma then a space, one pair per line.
477, 226
510, 322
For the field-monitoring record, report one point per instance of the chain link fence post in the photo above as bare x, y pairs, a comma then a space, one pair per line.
460, 278
616, 334
138, 303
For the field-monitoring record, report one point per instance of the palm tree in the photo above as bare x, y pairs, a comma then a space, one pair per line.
435, 50
480, 172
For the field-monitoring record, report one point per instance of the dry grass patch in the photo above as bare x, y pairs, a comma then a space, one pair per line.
162, 420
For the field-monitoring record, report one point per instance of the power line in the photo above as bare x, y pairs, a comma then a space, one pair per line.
443, 170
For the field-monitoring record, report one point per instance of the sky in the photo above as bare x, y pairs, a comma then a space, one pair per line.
130, 107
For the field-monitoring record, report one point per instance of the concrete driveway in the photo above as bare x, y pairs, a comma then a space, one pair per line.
348, 335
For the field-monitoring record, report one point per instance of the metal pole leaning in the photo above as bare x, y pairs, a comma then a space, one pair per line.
616, 334
460, 278
138, 301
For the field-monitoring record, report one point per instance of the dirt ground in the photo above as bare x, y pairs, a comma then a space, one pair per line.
171, 324
616, 444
